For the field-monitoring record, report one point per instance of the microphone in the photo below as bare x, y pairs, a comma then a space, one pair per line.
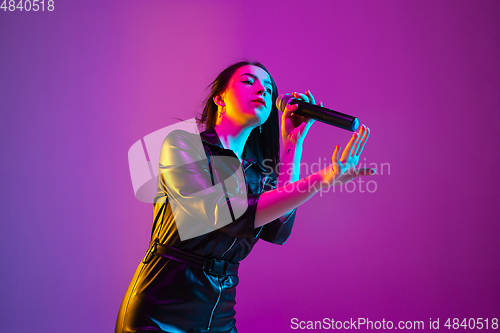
317, 112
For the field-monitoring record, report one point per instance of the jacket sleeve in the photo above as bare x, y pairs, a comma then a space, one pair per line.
277, 231
204, 196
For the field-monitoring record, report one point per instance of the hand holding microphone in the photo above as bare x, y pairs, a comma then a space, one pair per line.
317, 112
296, 126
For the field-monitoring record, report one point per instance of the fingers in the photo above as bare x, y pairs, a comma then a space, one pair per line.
302, 97
339, 154
364, 172
358, 140
336, 155
311, 97
290, 109
307, 97
337, 166
348, 149
298, 119
362, 143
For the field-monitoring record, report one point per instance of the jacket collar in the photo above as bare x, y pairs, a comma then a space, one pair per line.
210, 136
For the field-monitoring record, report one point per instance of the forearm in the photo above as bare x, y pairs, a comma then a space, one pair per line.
289, 171
280, 201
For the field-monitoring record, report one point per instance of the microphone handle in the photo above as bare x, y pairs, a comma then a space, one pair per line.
325, 115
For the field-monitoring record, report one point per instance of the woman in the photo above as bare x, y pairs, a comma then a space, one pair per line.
217, 196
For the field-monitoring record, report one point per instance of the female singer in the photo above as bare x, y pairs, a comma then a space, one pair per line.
218, 196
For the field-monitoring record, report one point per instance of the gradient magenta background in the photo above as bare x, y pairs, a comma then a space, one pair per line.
80, 85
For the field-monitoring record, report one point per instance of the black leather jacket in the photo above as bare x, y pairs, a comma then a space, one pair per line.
169, 296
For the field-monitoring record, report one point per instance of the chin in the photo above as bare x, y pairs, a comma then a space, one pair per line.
254, 118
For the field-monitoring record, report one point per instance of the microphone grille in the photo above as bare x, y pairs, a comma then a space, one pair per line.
283, 100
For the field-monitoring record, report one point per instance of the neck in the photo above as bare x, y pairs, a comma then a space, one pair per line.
232, 135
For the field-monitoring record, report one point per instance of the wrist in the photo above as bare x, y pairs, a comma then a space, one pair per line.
324, 178
290, 149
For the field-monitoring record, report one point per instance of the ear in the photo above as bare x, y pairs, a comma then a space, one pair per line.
219, 101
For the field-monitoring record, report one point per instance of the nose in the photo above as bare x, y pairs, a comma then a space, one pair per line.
261, 90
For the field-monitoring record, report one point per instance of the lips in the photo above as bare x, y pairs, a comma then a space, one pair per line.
260, 101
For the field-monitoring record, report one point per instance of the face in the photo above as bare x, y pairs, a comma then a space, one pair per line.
248, 96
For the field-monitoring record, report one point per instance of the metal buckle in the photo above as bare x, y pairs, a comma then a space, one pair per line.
151, 252
216, 266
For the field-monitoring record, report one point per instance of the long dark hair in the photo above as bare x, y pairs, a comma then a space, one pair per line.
265, 145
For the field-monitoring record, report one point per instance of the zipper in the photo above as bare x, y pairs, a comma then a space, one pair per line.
220, 289
215, 306
234, 241
218, 277
228, 248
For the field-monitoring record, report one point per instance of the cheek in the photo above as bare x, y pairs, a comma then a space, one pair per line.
234, 99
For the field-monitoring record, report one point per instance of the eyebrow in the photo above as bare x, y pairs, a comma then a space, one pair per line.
256, 78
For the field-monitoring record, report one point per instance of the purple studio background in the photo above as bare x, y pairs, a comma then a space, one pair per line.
79, 85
